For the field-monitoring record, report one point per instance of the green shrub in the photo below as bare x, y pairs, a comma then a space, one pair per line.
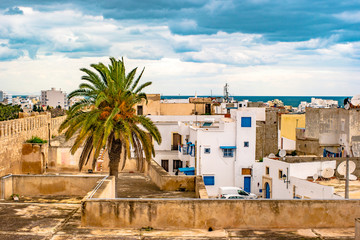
35, 139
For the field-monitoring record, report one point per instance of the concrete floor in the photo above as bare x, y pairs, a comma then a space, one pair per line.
51, 221
137, 185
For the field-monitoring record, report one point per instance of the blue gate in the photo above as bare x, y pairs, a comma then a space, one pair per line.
247, 184
267, 190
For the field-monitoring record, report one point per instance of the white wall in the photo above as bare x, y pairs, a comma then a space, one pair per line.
297, 175
287, 144
258, 171
305, 189
245, 156
307, 169
214, 163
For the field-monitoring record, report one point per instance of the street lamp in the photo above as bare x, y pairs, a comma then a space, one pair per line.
285, 177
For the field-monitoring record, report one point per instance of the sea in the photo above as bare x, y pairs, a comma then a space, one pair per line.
293, 101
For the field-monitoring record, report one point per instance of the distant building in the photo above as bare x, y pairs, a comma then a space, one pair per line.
54, 98
5, 97
329, 132
318, 103
289, 124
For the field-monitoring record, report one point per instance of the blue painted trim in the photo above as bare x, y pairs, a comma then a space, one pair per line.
228, 147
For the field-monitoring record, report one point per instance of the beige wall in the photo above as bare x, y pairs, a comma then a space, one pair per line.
14, 133
34, 158
219, 214
104, 188
200, 189
167, 182
178, 109
35, 185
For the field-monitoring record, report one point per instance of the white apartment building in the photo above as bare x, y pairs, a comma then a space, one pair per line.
220, 149
54, 98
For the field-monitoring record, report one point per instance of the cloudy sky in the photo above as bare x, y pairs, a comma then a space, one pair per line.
258, 47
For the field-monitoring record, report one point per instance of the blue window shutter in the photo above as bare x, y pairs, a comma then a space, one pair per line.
245, 121
209, 180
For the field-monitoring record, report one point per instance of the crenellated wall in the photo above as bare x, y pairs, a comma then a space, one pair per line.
14, 133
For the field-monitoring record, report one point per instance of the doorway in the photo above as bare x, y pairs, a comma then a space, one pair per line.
247, 184
267, 190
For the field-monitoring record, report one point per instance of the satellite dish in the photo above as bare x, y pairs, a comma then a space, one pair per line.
271, 155
352, 177
341, 169
327, 173
282, 153
315, 177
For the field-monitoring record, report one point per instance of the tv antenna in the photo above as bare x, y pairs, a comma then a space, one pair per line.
341, 169
327, 173
282, 153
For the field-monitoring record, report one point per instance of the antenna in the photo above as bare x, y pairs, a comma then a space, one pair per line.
327, 173
315, 177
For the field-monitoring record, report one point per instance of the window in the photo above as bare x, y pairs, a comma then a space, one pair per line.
177, 164
165, 164
228, 152
207, 150
140, 110
176, 141
243, 193
267, 170
246, 144
280, 174
209, 180
245, 121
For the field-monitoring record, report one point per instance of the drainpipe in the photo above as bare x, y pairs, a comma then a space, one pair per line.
234, 162
196, 163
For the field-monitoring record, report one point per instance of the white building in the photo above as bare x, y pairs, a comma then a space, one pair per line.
225, 154
54, 98
283, 180
318, 103
220, 149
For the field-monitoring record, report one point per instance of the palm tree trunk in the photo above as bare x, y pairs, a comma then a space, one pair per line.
114, 160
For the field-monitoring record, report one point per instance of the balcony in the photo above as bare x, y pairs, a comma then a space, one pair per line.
186, 151
174, 147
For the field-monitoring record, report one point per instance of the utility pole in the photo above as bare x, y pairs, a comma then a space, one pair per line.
347, 178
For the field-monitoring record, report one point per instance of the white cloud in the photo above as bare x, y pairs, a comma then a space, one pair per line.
66, 40
349, 16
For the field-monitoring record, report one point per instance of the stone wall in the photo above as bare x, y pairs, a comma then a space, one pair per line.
267, 134
219, 214
200, 189
167, 182
14, 133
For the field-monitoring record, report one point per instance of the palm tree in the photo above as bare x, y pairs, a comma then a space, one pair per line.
106, 118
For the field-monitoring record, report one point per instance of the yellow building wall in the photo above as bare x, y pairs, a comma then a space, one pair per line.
180, 108
289, 123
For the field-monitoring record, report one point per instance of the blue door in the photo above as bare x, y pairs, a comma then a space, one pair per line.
247, 184
267, 190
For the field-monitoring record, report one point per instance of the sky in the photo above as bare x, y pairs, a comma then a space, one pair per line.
187, 47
